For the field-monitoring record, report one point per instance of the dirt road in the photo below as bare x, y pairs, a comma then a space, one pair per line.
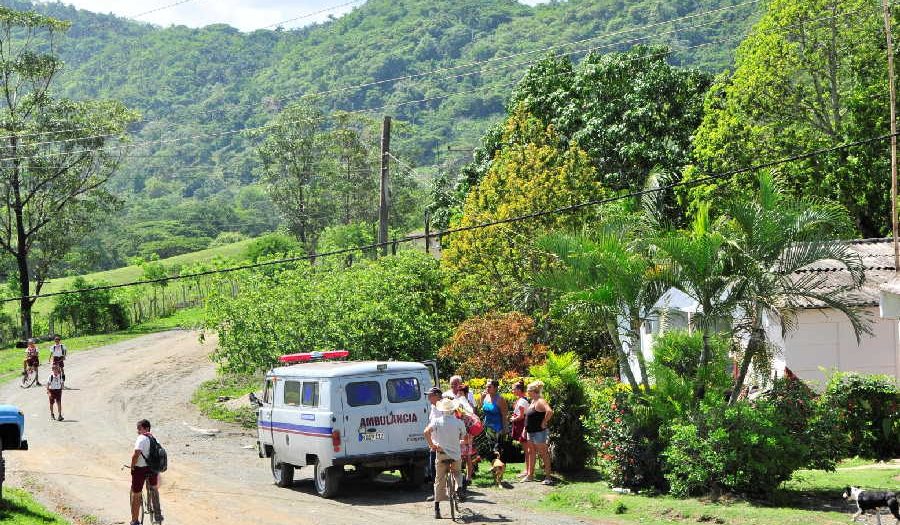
77, 464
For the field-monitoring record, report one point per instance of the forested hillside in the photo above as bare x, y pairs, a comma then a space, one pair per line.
191, 182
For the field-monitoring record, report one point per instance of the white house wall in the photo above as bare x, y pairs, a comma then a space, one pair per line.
824, 339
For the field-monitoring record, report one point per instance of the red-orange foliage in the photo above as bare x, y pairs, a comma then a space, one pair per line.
494, 346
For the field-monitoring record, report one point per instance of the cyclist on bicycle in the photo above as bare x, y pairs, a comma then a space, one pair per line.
140, 473
58, 355
443, 435
32, 359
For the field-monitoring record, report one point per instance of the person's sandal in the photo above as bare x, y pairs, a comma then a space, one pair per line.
526, 479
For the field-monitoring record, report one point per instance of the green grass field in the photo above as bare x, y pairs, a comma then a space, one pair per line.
19, 508
811, 496
11, 358
133, 273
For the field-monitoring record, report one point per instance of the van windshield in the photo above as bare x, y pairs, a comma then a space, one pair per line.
363, 393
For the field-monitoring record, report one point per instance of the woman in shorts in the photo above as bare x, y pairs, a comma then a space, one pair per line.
537, 420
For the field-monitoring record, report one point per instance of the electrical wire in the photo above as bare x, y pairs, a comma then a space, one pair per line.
541, 213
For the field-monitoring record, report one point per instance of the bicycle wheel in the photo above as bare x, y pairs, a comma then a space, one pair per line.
451, 492
29, 378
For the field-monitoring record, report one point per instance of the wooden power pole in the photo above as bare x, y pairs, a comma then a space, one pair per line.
385, 201
890, 62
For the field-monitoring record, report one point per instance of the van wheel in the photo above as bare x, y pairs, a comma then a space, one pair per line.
327, 480
413, 475
282, 472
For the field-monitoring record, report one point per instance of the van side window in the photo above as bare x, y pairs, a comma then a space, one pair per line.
310, 394
267, 395
403, 389
292, 393
363, 393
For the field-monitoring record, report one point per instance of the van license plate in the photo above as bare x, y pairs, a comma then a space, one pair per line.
372, 436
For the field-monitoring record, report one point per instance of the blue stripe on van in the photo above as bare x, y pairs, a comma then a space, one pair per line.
289, 428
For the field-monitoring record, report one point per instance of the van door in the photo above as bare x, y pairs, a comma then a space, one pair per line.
432, 366
264, 415
407, 409
364, 415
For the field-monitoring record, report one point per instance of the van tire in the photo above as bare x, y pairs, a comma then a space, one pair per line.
327, 480
413, 475
283, 473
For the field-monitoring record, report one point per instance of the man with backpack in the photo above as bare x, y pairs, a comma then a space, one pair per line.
147, 461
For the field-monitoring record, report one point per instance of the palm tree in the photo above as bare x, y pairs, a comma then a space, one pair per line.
610, 271
699, 262
774, 235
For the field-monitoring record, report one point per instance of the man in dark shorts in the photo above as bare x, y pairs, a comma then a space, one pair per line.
58, 355
54, 391
140, 472
32, 358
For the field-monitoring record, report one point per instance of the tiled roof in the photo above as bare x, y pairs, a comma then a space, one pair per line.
878, 262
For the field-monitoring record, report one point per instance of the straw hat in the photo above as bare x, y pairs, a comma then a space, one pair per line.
445, 405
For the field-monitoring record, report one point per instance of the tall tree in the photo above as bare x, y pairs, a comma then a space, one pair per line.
54, 158
811, 75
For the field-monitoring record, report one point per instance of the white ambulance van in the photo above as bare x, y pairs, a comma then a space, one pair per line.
343, 417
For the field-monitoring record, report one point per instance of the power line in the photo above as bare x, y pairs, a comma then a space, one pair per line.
160, 8
410, 238
308, 15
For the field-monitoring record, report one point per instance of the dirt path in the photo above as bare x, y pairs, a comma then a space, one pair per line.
77, 463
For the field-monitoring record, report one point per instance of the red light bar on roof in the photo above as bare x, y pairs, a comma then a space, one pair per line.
306, 357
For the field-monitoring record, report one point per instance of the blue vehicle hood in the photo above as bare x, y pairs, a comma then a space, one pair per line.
10, 413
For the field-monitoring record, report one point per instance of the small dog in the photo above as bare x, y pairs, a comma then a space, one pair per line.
498, 468
867, 500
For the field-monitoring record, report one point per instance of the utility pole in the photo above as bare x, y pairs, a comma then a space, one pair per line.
385, 202
890, 61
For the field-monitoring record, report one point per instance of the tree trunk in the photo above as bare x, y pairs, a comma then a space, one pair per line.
638, 349
624, 364
699, 384
754, 344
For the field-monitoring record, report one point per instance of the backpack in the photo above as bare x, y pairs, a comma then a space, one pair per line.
157, 459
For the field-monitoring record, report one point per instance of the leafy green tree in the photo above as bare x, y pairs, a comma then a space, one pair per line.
91, 311
272, 244
810, 75
529, 175
53, 191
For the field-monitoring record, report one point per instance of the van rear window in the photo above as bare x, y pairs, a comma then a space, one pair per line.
363, 393
292, 393
403, 390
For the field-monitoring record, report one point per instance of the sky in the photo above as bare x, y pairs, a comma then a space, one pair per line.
246, 15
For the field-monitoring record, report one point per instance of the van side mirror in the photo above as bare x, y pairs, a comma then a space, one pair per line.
254, 400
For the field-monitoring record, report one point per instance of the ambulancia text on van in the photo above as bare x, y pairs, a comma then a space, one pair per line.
343, 416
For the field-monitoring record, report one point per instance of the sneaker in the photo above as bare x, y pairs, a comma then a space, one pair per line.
52, 417
547, 481
158, 518
38, 383
60, 418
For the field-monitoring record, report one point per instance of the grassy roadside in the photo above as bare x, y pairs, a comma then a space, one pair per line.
19, 508
229, 386
811, 496
11, 358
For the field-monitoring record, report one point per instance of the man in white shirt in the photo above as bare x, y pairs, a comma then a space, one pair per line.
54, 391
141, 472
455, 392
443, 435
434, 395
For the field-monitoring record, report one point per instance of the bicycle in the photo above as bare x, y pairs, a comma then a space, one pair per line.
452, 488
30, 376
149, 502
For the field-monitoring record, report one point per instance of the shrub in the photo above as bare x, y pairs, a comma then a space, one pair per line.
866, 410
273, 244
743, 448
226, 238
94, 311
570, 449
393, 308
493, 346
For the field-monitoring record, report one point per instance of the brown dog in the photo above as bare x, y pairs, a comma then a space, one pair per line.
498, 468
